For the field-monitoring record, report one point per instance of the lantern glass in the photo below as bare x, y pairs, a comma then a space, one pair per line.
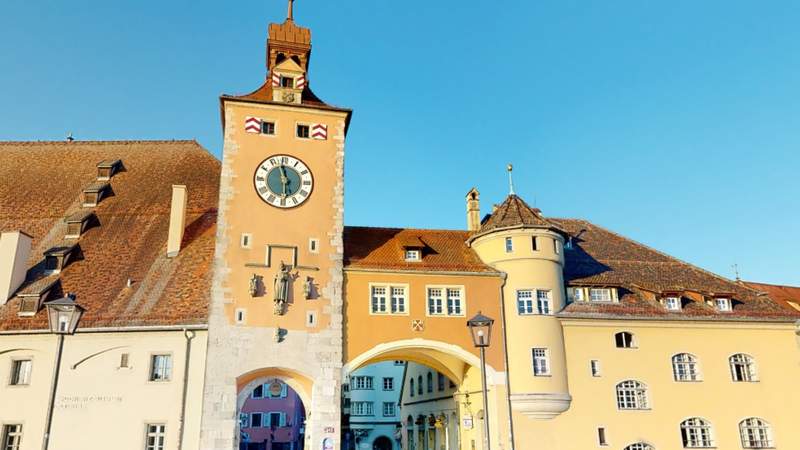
480, 327
64, 318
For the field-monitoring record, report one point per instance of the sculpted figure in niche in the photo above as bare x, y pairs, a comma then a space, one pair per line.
281, 288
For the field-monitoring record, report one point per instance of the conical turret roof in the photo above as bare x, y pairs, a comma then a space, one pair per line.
514, 212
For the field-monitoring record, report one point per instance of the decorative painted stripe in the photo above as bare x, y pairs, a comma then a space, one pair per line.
301, 82
252, 125
319, 131
276, 80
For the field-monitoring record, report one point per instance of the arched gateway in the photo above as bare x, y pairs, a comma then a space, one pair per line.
298, 299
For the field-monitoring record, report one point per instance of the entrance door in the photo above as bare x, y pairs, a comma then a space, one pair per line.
382, 443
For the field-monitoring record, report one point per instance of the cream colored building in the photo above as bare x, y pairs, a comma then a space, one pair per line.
203, 280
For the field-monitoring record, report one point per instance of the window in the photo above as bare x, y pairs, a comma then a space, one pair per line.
287, 82
386, 299
361, 383
63, 322
509, 245
267, 127
277, 419
543, 302
313, 245
21, 372
440, 382
577, 294
454, 302
241, 315
389, 409
672, 303
685, 367
435, 302
534, 244
639, 446
525, 301
123, 360
388, 383
430, 382
160, 367
556, 246
411, 386
755, 433
256, 420
600, 295
722, 304
594, 366
246, 240
156, 433
541, 363
743, 367
419, 385
624, 340
302, 131
362, 409
12, 437
601, 436
696, 433
413, 255
258, 391
379, 300
398, 300
311, 318
631, 395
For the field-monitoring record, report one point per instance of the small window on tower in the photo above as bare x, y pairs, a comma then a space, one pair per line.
302, 131
268, 127
287, 82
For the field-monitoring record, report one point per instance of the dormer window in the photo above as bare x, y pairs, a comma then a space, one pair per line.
78, 223
672, 303
56, 258
32, 295
287, 82
600, 295
108, 168
93, 193
722, 304
413, 255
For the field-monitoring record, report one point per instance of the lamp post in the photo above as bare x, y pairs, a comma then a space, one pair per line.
63, 315
480, 327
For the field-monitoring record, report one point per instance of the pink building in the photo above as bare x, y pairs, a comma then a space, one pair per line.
272, 418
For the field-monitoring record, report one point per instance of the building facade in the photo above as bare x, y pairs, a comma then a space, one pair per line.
202, 283
372, 406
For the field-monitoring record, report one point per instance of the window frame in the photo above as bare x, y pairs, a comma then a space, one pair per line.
691, 368
705, 425
369, 407
151, 367
7, 433
543, 357
162, 433
388, 298
751, 367
677, 300
632, 343
725, 301
390, 383
412, 255
595, 368
13, 379
393, 409
445, 300
369, 383
246, 241
636, 395
764, 429
534, 307
602, 289
297, 126
509, 245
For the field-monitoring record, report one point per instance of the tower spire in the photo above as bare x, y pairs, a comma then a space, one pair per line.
290, 12
510, 169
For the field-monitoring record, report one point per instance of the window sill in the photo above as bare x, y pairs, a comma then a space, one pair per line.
688, 381
543, 375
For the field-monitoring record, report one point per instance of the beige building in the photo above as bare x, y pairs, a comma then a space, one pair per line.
203, 281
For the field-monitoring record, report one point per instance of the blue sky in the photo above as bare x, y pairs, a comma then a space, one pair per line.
674, 123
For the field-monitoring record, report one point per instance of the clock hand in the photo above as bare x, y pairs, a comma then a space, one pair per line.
284, 179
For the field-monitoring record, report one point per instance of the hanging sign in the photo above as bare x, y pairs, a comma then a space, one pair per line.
468, 422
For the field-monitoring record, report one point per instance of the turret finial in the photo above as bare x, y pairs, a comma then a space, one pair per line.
290, 13
510, 169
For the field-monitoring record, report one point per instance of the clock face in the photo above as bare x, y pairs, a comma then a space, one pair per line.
283, 181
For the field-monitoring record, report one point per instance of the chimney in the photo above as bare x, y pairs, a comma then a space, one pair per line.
15, 248
177, 220
473, 210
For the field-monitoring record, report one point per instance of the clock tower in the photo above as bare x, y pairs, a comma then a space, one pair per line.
276, 295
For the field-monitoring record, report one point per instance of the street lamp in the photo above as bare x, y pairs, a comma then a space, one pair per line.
480, 327
63, 316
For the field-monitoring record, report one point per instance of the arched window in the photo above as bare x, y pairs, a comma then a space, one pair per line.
411, 386
440, 381
430, 382
685, 367
623, 339
743, 367
640, 446
419, 385
755, 433
631, 395
696, 433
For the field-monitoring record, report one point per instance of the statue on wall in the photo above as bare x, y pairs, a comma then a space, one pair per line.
281, 288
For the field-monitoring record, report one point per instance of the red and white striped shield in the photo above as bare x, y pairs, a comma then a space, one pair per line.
252, 125
319, 131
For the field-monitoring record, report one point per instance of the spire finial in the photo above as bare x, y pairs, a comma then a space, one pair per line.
736, 271
510, 169
290, 13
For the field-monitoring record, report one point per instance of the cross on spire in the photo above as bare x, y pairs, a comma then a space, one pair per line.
290, 13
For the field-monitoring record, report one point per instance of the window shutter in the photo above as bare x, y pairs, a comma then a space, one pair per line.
284, 390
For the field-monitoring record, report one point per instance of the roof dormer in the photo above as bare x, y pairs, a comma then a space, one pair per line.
78, 223
412, 248
56, 258
33, 295
107, 168
94, 193
288, 81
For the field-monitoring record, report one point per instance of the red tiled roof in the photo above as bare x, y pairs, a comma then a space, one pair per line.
514, 212
785, 295
382, 249
600, 257
41, 183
